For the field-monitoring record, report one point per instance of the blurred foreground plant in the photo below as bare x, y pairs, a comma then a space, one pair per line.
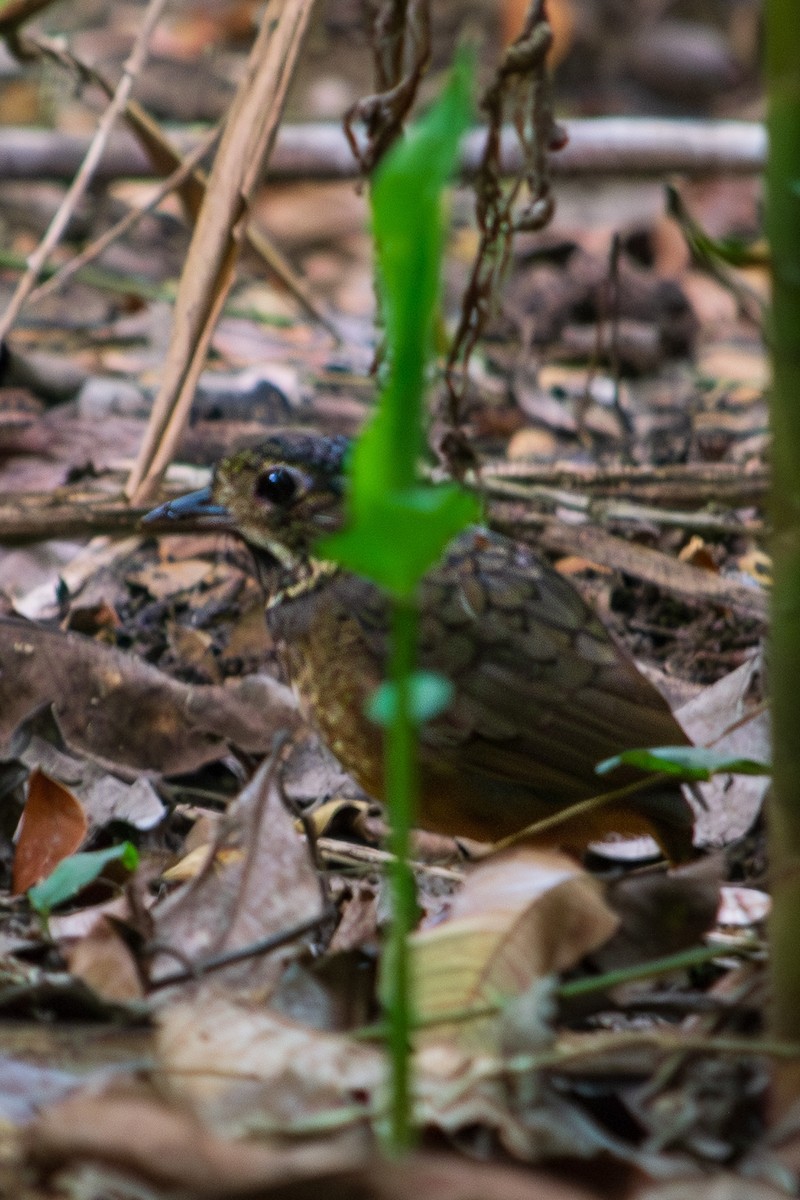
399, 526
783, 231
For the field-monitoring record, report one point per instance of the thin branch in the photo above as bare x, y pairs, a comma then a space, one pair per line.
128, 222
596, 147
82, 180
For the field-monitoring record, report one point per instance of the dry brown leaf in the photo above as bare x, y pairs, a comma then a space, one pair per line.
258, 881
190, 866
518, 918
166, 579
53, 826
661, 912
103, 796
104, 962
731, 802
94, 689
245, 1070
358, 918
149, 1140
697, 552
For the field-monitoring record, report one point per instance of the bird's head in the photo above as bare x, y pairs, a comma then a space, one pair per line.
280, 496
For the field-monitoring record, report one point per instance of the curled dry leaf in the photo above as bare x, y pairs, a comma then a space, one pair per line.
519, 917
53, 826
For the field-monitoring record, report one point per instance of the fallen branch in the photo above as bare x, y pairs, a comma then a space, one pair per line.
601, 146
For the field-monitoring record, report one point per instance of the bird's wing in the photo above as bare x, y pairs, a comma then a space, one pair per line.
538, 679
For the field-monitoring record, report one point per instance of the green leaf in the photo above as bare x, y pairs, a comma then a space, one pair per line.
409, 230
689, 763
402, 535
430, 694
75, 873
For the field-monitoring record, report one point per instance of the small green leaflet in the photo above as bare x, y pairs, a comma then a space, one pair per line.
689, 763
430, 695
75, 873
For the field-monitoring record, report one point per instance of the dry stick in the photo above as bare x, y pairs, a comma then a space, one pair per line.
81, 181
208, 274
217, 962
597, 146
679, 483
602, 511
681, 579
128, 222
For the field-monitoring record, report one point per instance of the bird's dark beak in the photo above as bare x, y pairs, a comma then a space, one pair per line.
197, 507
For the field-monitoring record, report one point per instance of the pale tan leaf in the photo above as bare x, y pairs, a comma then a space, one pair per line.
519, 917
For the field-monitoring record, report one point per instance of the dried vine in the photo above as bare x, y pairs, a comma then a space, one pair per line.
402, 49
519, 92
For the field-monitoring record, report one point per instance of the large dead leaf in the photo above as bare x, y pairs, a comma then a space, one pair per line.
518, 918
244, 1070
258, 880
170, 1148
94, 690
149, 1140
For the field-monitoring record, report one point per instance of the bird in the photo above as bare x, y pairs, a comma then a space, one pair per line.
541, 690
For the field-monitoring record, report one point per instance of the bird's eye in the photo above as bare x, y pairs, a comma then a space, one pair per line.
278, 485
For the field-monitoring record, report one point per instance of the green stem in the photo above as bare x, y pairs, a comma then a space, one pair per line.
783, 229
401, 792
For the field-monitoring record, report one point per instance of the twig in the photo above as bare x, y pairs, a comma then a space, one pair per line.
128, 222
690, 583
331, 850
208, 274
191, 184
681, 483
215, 962
602, 511
597, 147
81, 181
